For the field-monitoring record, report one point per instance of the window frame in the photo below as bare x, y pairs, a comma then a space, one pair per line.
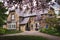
12, 15
12, 26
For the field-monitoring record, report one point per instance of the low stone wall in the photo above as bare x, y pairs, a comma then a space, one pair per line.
22, 28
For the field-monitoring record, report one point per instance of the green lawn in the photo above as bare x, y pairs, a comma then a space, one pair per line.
22, 38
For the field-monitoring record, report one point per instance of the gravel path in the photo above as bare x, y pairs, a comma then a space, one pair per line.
35, 33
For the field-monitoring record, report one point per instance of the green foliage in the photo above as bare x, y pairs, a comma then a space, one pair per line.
48, 30
12, 31
57, 27
2, 14
5, 31
51, 31
23, 38
54, 28
52, 21
2, 31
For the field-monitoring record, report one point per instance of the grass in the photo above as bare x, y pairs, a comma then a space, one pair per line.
22, 38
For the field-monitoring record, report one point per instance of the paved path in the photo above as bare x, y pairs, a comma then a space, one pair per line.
35, 33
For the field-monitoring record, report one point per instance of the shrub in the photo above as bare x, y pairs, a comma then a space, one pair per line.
57, 27
48, 30
11, 31
5, 31
51, 30
2, 31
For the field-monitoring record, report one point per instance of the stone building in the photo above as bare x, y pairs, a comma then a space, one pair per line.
26, 15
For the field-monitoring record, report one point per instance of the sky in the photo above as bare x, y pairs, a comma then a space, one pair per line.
1, 0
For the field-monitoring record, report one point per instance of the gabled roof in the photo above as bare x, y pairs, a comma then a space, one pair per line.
25, 21
56, 6
41, 12
29, 15
22, 14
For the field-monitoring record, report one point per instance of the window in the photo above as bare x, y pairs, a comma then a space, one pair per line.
9, 26
13, 17
12, 26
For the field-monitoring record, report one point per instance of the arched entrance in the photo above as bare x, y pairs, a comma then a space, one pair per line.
27, 27
37, 27
32, 27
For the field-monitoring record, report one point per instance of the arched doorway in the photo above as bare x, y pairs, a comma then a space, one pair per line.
27, 27
37, 26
